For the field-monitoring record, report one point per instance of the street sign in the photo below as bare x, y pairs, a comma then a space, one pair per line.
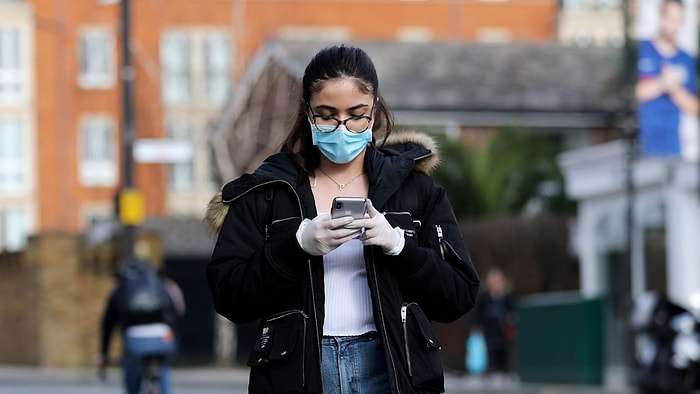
162, 151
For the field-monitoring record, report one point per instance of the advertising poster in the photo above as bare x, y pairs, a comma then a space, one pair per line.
666, 89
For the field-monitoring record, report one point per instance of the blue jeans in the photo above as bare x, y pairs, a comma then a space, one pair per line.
354, 365
135, 348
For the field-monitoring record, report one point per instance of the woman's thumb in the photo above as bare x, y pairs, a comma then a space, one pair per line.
371, 210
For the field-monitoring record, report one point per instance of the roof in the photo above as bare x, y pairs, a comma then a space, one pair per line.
544, 87
482, 77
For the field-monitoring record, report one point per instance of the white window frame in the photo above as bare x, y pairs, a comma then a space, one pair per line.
217, 69
176, 53
14, 156
13, 85
96, 58
196, 66
181, 177
98, 151
14, 229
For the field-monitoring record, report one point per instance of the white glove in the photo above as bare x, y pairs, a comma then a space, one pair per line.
378, 232
323, 234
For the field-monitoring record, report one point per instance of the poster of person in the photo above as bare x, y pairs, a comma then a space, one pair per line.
666, 89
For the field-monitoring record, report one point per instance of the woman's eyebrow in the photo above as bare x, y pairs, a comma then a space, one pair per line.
331, 108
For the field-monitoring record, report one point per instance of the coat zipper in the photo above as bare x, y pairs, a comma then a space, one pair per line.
404, 313
438, 228
313, 302
287, 313
383, 320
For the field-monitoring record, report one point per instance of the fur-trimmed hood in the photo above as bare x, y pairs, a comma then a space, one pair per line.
425, 164
400, 146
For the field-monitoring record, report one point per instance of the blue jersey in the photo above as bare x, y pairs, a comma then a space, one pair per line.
659, 118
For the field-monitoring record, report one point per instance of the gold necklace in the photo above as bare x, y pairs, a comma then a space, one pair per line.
341, 186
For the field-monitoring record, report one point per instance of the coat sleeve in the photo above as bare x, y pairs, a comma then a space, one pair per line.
436, 269
110, 319
253, 263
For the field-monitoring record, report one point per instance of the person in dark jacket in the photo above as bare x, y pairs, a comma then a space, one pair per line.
154, 336
343, 304
494, 316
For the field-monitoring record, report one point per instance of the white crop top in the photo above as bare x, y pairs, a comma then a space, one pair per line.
348, 306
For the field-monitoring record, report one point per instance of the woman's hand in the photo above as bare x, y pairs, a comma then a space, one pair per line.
323, 234
378, 232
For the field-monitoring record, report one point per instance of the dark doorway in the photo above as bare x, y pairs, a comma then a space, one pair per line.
655, 259
197, 326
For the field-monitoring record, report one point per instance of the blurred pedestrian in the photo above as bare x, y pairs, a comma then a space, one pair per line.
667, 89
494, 318
145, 309
344, 303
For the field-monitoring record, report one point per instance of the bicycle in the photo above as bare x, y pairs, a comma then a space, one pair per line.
150, 376
150, 372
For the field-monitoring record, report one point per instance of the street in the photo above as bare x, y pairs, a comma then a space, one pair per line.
92, 388
31, 380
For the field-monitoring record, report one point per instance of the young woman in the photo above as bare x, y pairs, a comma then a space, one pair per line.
344, 305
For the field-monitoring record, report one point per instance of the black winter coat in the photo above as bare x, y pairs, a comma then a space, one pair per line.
259, 271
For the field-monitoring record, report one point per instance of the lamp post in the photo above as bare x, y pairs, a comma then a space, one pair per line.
131, 210
629, 133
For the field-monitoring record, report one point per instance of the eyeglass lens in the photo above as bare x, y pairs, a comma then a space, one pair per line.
356, 124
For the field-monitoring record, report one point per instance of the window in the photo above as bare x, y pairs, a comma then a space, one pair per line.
98, 164
181, 175
195, 67
578, 5
13, 229
96, 59
216, 54
11, 88
13, 156
176, 57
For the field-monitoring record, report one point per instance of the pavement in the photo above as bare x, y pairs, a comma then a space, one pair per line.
237, 377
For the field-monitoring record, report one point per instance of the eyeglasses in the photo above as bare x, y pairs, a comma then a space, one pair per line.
329, 123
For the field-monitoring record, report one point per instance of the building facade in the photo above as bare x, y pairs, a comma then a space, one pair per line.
636, 231
587, 23
19, 199
61, 89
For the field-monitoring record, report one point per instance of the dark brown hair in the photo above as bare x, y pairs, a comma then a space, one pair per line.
335, 62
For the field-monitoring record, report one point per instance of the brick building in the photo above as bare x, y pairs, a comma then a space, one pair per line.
60, 87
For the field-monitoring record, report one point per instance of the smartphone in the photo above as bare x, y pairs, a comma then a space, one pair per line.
349, 206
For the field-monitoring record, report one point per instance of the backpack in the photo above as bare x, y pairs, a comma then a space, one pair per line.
145, 299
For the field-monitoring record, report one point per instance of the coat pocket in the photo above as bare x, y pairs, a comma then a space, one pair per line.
422, 349
279, 352
405, 221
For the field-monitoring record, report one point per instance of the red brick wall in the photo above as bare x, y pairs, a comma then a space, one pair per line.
61, 103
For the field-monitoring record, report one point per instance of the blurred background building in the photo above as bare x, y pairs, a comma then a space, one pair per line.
61, 102
589, 23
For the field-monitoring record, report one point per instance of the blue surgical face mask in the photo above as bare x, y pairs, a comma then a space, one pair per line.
340, 146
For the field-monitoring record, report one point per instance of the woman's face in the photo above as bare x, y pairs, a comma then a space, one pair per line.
341, 98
